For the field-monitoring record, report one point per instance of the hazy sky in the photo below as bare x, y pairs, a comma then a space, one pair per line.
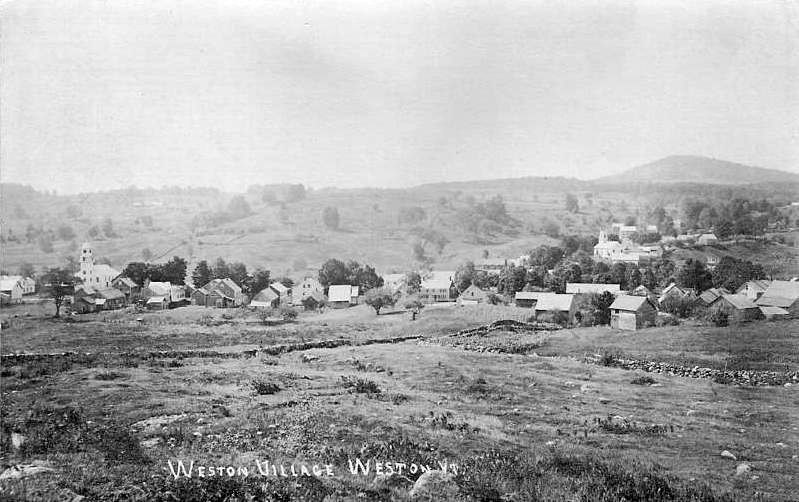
104, 94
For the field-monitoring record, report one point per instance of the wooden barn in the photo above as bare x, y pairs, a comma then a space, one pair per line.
632, 312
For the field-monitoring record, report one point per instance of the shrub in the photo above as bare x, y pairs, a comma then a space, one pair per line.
360, 385
288, 313
718, 318
610, 357
263, 388
666, 320
682, 307
643, 380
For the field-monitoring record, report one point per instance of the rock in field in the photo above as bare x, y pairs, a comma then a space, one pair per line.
742, 468
434, 485
20, 471
727, 454
17, 440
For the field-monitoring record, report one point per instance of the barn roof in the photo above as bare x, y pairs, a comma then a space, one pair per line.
554, 301
771, 311
627, 302
740, 302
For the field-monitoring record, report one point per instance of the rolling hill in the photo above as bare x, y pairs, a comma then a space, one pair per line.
695, 169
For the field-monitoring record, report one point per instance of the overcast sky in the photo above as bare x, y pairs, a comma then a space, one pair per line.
105, 94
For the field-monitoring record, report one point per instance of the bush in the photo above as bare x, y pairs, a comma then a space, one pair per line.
263, 388
682, 307
718, 318
666, 320
610, 357
360, 385
288, 313
643, 380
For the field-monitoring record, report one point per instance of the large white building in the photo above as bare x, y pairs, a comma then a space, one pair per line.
96, 275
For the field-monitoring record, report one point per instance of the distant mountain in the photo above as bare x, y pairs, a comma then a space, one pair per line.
695, 169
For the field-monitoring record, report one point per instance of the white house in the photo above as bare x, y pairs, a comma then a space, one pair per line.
342, 295
437, 287
309, 286
27, 284
707, 239
11, 290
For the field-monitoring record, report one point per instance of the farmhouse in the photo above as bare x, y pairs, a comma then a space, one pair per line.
472, 296
674, 291
266, 298
109, 299
783, 294
129, 288
709, 296
739, 308
587, 288
341, 296
220, 293
308, 287
528, 299
632, 312
12, 290
282, 291
27, 284
707, 239
394, 282
554, 303
753, 289
437, 287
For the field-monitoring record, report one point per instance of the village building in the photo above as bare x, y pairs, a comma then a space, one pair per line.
632, 312
266, 298
738, 308
394, 282
707, 239
673, 291
783, 294
552, 303
219, 293
774, 313
472, 296
588, 288
308, 287
641, 290
96, 275
627, 232
606, 249
491, 265
342, 296
165, 293
437, 287
651, 229
11, 291
130, 289
109, 299
711, 260
708, 297
282, 291
753, 289
528, 299
27, 284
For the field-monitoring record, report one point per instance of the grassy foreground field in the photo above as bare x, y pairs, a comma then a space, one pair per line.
515, 426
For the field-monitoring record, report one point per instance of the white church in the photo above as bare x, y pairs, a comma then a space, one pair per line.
96, 275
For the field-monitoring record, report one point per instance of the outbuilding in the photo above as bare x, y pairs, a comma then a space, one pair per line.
632, 312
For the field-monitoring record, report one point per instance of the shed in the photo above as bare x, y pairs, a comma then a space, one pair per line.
739, 308
554, 302
783, 294
266, 298
157, 303
632, 312
774, 313
472, 296
528, 299
340, 296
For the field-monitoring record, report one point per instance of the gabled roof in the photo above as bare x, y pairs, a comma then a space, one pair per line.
103, 269
110, 293
757, 285
708, 236
711, 295
156, 299
473, 290
775, 301
608, 245
127, 281
279, 288
588, 287
340, 293
160, 288
771, 311
438, 280
783, 289
554, 301
8, 284
628, 302
642, 290
740, 302
266, 295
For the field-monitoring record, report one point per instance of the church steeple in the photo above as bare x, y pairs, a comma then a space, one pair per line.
86, 262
